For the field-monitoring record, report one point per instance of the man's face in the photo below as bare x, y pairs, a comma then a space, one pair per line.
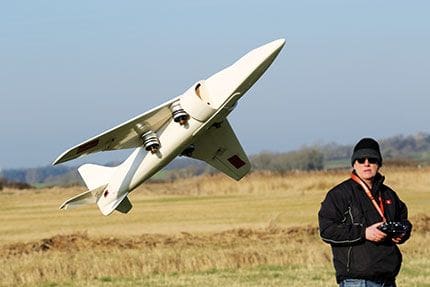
366, 168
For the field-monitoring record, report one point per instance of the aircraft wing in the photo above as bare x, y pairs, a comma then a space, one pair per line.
220, 148
123, 136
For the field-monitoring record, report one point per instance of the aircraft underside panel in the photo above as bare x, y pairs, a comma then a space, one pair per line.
220, 148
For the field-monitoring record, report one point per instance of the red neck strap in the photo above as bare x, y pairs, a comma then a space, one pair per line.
366, 188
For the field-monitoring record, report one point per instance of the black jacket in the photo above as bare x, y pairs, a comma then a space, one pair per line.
344, 215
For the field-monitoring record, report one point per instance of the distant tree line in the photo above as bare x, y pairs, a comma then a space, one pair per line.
4, 183
399, 150
303, 159
406, 146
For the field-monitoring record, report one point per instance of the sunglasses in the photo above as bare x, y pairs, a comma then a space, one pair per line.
371, 160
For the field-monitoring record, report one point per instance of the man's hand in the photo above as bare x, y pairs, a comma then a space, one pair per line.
398, 239
374, 234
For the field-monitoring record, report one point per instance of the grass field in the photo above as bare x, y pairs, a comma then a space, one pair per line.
204, 231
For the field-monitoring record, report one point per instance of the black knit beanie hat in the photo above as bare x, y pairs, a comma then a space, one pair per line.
366, 148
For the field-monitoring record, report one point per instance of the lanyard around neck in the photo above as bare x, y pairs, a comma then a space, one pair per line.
380, 207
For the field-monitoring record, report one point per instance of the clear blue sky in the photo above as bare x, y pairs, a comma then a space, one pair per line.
72, 69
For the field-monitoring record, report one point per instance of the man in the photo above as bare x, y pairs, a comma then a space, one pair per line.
351, 217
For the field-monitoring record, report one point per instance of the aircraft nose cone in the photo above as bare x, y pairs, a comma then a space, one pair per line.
277, 44
239, 77
280, 43
272, 49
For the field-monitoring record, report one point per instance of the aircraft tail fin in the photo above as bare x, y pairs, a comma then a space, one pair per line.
95, 175
124, 206
108, 204
86, 197
97, 178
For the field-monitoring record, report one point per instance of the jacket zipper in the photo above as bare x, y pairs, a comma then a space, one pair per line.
348, 262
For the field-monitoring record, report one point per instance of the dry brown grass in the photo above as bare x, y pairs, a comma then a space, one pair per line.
260, 231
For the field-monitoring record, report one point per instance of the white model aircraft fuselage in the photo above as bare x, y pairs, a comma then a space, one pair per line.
193, 124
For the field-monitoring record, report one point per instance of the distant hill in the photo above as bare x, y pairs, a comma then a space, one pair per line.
42, 176
411, 149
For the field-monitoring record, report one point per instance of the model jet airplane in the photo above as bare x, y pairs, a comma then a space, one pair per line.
193, 124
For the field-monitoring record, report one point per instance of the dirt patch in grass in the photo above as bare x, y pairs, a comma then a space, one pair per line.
230, 238
81, 240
